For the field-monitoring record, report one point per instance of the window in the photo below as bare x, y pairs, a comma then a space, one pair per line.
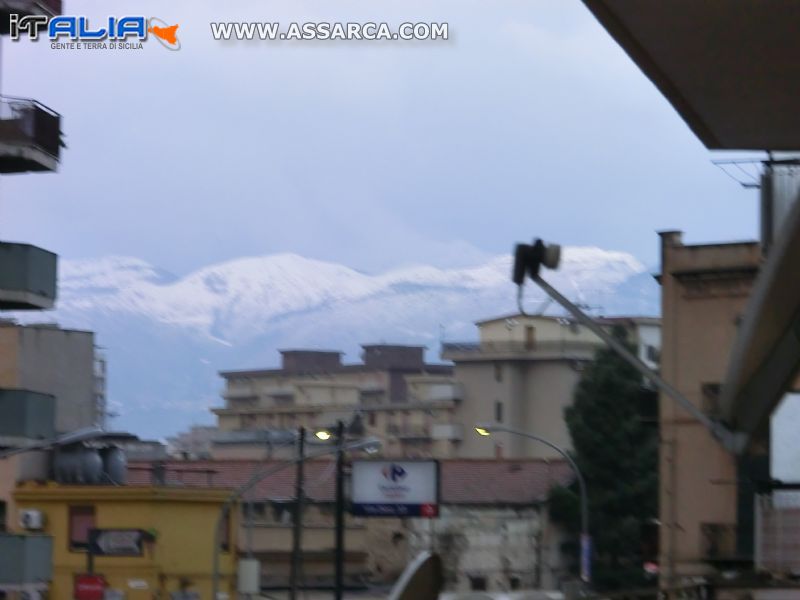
371, 418
498, 412
81, 520
498, 372
2, 516
477, 584
225, 534
514, 582
652, 354
530, 337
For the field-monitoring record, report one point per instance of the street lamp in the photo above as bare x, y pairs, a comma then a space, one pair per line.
338, 436
485, 430
369, 445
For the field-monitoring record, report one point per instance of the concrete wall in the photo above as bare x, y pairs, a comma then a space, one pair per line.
545, 329
500, 545
533, 396
52, 361
704, 291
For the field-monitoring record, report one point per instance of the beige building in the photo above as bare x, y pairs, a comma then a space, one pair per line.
522, 373
59, 362
393, 395
704, 292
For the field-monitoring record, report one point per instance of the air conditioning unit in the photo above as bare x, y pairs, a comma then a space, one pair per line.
31, 520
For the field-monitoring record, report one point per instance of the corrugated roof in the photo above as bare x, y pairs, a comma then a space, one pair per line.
463, 481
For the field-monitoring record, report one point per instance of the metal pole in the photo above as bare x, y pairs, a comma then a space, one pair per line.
729, 439
585, 536
339, 549
297, 530
252, 482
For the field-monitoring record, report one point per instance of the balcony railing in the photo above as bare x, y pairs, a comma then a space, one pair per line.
409, 432
27, 277
453, 432
27, 562
27, 414
477, 349
30, 136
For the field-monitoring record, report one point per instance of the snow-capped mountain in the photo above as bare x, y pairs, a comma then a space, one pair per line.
166, 337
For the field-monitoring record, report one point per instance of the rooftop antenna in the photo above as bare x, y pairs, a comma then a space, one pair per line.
528, 259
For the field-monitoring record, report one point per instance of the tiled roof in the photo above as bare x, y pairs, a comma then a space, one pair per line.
463, 481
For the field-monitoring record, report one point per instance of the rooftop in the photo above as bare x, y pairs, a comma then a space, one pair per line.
376, 357
463, 481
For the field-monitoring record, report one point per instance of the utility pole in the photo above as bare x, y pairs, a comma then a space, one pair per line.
297, 531
339, 550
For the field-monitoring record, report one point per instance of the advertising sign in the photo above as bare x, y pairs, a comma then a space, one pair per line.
399, 488
116, 542
89, 587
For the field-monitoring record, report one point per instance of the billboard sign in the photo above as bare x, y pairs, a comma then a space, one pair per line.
396, 488
117, 542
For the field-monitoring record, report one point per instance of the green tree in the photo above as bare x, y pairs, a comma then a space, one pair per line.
617, 452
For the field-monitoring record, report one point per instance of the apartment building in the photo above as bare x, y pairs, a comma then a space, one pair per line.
393, 394
63, 363
522, 373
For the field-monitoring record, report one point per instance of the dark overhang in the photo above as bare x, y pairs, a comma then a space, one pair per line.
731, 68
766, 355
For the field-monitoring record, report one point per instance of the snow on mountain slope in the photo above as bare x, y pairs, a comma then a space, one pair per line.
224, 299
166, 337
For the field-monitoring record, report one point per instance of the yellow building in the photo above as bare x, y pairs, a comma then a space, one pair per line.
177, 553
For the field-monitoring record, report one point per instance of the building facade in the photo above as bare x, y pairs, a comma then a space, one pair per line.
178, 531
393, 395
523, 372
493, 531
59, 362
704, 289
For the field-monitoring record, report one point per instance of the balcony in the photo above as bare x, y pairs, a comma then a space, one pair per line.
409, 432
490, 350
30, 136
453, 432
27, 415
444, 392
27, 563
24, 8
27, 277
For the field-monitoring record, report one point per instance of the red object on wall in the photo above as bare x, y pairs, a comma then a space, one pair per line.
89, 587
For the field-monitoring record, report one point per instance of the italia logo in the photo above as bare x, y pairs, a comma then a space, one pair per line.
127, 29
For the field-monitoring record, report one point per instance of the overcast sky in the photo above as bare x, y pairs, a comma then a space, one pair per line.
529, 121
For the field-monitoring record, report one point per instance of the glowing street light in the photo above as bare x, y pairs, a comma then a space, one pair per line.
323, 434
486, 430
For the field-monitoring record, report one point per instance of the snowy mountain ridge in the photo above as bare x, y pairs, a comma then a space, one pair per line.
167, 337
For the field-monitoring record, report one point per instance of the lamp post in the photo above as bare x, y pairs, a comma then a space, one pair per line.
367, 444
584, 557
338, 553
